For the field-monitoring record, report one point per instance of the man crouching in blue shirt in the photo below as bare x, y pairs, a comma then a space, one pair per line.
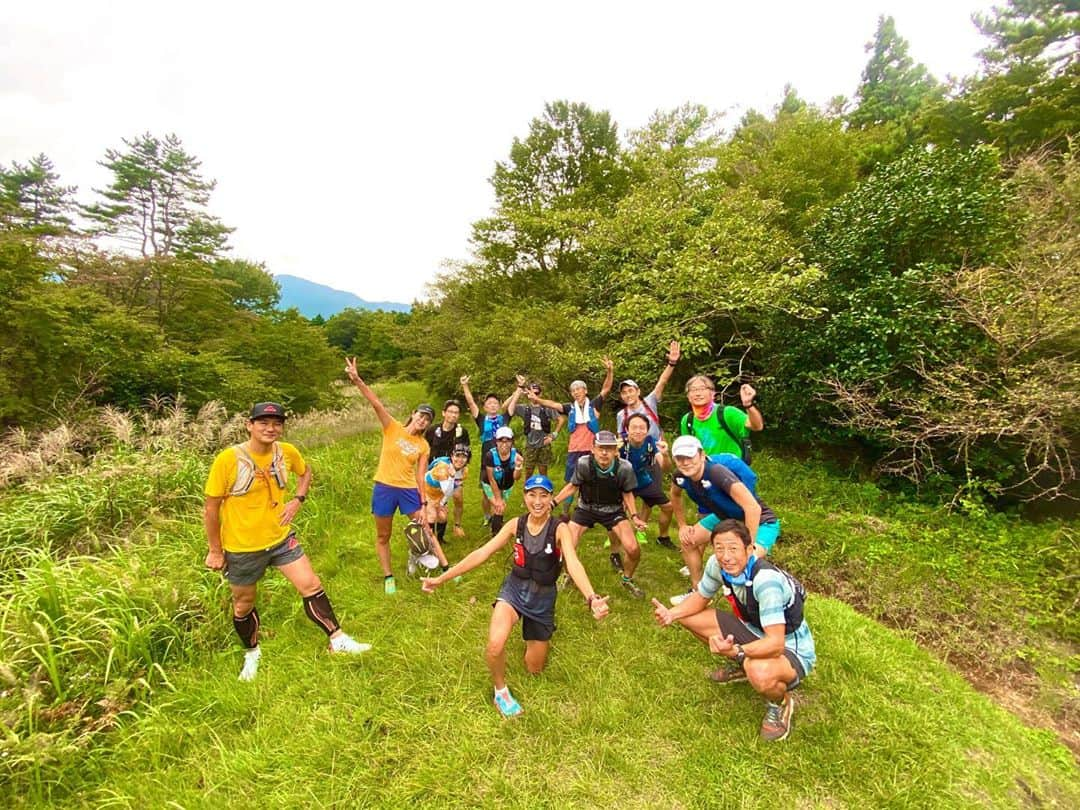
766, 636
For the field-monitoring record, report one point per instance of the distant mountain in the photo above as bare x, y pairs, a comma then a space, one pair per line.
317, 299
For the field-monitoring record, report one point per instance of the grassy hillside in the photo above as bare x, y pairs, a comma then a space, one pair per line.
121, 688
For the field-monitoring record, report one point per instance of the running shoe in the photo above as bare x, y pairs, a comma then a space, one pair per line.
665, 541
389, 586
726, 675
632, 586
505, 703
347, 644
616, 562
777, 722
679, 598
251, 664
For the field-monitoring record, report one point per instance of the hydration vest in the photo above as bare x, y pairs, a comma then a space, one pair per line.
603, 489
499, 467
750, 612
712, 498
491, 424
590, 413
648, 458
543, 566
247, 469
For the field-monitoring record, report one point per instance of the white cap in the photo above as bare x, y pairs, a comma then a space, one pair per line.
686, 446
504, 433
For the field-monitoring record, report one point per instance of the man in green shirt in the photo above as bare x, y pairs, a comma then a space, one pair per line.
719, 428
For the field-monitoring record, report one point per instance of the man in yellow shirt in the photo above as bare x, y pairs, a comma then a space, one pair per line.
248, 521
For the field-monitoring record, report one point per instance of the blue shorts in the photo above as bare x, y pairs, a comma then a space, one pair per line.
385, 499
767, 533
571, 463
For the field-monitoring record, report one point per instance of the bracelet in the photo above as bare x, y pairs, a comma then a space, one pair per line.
301, 498
673, 363
589, 600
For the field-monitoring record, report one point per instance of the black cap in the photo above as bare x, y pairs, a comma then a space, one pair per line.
424, 408
267, 409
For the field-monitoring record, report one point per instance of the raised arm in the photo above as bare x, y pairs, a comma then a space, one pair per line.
474, 409
511, 404
672, 360
609, 378
754, 419
535, 399
380, 411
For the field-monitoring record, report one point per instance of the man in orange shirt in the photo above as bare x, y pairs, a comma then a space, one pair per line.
248, 523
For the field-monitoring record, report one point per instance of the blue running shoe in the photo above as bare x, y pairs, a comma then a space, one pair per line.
505, 703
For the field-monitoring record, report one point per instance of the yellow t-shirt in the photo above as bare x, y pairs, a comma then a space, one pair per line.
399, 455
249, 522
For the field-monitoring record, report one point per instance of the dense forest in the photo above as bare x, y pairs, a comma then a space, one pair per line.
896, 272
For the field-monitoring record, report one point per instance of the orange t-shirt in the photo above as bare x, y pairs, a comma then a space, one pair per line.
399, 456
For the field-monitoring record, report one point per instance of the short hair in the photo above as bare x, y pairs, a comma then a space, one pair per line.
578, 384
640, 416
701, 378
491, 395
735, 527
451, 403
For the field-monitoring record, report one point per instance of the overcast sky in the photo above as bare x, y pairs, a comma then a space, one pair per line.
353, 145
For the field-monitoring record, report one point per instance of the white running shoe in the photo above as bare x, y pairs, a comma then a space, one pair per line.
347, 644
251, 664
678, 599
685, 571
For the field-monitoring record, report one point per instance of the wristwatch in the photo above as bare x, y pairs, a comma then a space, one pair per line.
301, 498
740, 654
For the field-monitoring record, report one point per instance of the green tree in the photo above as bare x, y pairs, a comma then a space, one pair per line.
1028, 91
32, 198
565, 169
250, 285
156, 202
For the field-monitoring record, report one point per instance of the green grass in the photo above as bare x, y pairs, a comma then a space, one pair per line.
146, 709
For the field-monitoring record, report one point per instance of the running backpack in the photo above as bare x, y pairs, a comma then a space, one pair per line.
247, 469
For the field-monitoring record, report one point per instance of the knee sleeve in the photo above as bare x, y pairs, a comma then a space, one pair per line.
247, 627
318, 609
496, 524
440, 530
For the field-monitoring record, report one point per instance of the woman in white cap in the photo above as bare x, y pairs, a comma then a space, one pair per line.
529, 591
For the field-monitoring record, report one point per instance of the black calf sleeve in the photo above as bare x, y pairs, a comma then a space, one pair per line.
496, 524
317, 607
247, 627
440, 530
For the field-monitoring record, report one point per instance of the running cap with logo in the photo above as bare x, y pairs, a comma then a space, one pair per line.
630, 384
504, 433
267, 409
686, 446
426, 409
605, 438
539, 482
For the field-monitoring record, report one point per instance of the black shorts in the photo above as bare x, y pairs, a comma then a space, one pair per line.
535, 604
583, 516
732, 626
652, 494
